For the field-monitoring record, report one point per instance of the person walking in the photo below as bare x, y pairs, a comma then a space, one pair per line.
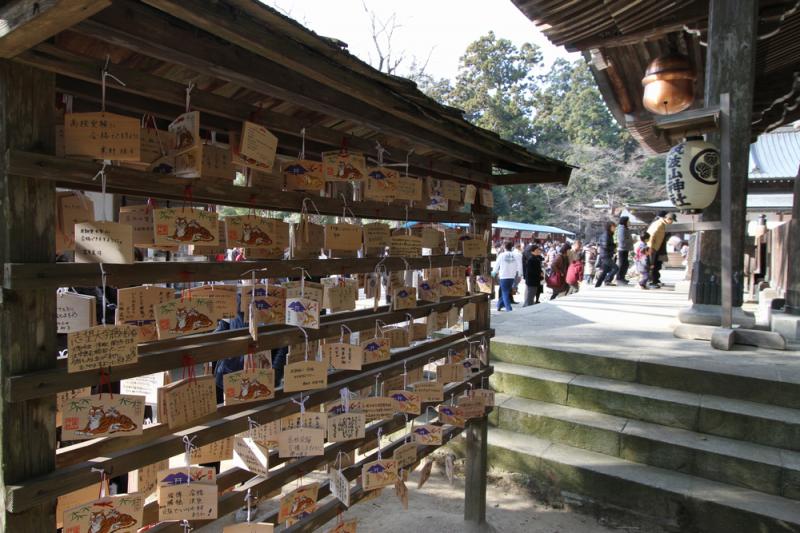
642, 258
532, 271
506, 269
606, 248
557, 277
517, 251
590, 255
624, 246
658, 245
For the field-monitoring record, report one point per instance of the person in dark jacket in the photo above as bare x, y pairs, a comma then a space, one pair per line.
624, 247
532, 272
560, 265
606, 249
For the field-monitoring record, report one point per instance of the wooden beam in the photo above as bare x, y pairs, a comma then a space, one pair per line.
29, 493
27, 329
241, 29
79, 174
155, 89
560, 176
694, 121
26, 23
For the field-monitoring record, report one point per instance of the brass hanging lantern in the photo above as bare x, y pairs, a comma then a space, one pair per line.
668, 84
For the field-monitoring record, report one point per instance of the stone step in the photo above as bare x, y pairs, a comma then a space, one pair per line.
682, 502
769, 425
763, 468
756, 383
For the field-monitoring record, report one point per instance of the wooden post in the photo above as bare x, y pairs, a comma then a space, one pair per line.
726, 200
793, 268
730, 68
27, 318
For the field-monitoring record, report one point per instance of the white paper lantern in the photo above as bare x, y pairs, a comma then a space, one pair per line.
692, 174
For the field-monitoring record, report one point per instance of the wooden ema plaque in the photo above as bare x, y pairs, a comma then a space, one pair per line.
308, 419
378, 474
184, 225
376, 350
449, 373
140, 219
187, 400
405, 246
346, 426
432, 238
102, 347
340, 486
251, 455
339, 294
347, 526
405, 456
344, 356
122, 513
406, 402
250, 231
301, 442
381, 184
71, 208
343, 166
100, 415
74, 312
308, 240
217, 163
305, 375
469, 194
377, 235
428, 290
183, 498
344, 237
309, 289
408, 189
257, 147
251, 385
220, 450
138, 303
429, 391
374, 407
302, 312
217, 249
427, 434
473, 247
451, 414
103, 242
145, 479
185, 316
222, 296
303, 175
102, 136
299, 501
404, 298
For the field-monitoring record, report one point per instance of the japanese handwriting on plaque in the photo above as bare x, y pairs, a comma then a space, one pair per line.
469, 194
307, 419
303, 175
487, 198
103, 242
145, 479
185, 226
381, 184
250, 231
405, 455
343, 166
340, 486
406, 402
251, 455
302, 312
339, 293
344, 356
137, 303
377, 474
301, 442
188, 399
473, 247
427, 434
299, 502
71, 208
74, 312
182, 498
405, 246
102, 416
450, 372
404, 297
343, 237
120, 514
346, 426
376, 350
486, 396
63, 397
249, 385
308, 240
185, 316
451, 190
429, 391
140, 218
217, 162
305, 375
223, 296
471, 407
409, 189
374, 407
102, 136
220, 450
101, 347
257, 147
377, 235
310, 290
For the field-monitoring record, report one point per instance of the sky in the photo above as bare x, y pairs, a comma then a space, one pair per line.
441, 29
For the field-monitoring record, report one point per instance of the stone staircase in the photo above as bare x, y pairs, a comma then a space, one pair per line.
695, 450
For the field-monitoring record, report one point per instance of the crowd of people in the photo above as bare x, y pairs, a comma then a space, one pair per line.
563, 267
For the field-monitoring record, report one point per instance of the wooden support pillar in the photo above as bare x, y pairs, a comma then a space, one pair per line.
793, 269
27, 318
730, 68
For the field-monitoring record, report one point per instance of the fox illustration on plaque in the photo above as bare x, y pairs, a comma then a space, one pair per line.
190, 320
190, 231
252, 390
106, 421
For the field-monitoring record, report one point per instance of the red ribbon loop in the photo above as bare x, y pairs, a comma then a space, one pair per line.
105, 379
188, 367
